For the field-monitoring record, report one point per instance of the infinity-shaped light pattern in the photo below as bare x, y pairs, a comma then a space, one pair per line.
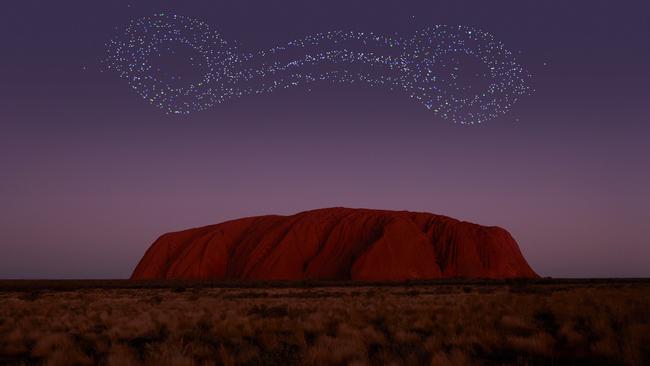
460, 73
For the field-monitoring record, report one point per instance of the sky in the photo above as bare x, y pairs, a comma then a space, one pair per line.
91, 174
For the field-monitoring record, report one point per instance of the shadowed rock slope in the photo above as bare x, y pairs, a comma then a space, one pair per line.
336, 244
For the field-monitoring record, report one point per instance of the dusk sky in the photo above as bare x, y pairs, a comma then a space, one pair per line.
91, 174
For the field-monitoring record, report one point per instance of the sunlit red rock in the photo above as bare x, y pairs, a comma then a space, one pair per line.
336, 244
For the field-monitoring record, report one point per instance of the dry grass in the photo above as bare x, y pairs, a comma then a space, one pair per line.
422, 324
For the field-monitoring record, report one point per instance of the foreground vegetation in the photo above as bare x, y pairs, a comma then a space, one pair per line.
436, 323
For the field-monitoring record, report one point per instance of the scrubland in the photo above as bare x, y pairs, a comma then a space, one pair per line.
511, 323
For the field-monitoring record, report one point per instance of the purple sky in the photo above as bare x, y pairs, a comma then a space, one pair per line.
90, 174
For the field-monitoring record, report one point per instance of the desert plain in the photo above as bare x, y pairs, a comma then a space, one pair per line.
444, 322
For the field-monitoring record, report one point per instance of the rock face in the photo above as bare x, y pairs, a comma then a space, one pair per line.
336, 244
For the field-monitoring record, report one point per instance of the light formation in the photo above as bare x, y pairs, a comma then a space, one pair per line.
460, 73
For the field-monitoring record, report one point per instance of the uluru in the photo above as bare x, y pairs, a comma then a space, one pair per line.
336, 244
